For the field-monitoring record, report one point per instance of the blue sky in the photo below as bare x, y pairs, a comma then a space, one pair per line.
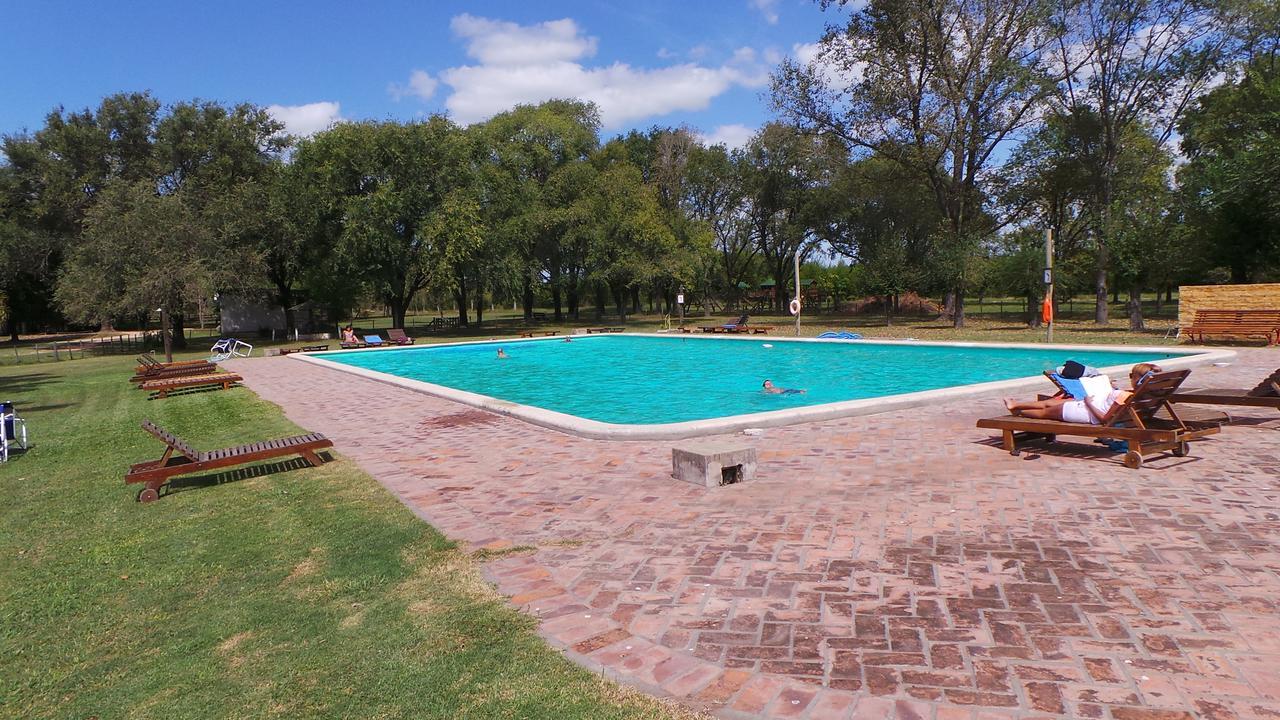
645, 62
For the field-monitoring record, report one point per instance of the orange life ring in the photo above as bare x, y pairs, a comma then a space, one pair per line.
1046, 311
795, 306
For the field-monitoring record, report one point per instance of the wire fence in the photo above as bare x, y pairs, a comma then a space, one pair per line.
60, 350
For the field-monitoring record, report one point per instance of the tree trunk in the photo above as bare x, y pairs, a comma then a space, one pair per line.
398, 306
574, 302
12, 318
176, 327
635, 301
1168, 293
602, 300
284, 296
1135, 310
555, 290
1100, 310
526, 287
957, 317
1034, 318
479, 300
462, 299
620, 300
949, 305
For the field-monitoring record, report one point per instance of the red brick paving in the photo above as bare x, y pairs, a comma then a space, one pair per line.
896, 565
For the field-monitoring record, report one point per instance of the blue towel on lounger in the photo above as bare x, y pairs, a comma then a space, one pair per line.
1074, 387
372, 340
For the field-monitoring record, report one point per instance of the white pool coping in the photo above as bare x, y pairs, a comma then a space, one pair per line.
776, 418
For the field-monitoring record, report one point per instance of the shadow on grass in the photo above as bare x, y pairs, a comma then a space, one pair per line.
179, 392
195, 482
14, 384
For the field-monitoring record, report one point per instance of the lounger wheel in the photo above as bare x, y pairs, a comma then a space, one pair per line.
1133, 460
146, 495
1182, 449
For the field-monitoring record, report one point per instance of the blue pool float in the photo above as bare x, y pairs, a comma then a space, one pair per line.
842, 335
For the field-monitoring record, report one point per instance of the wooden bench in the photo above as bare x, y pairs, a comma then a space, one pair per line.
1235, 324
181, 459
538, 333
605, 330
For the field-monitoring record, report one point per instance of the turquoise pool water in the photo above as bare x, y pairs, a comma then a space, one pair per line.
645, 380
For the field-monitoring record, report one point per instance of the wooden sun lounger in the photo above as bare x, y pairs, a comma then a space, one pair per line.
1135, 422
202, 368
1266, 394
538, 333
181, 459
397, 336
162, 387
147, 363
305, 348
605, 330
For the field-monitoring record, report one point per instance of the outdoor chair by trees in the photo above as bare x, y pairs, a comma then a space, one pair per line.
1266, 394
397, 336
738, 325
227, 348
13, 431
1133, 420
181, 459
214, 381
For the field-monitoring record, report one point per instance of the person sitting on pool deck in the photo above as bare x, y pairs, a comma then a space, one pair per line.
502, 354
1094, 409
349, 336
772, 389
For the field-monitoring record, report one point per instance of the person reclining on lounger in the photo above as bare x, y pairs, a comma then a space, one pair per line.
349, 336
1095, 409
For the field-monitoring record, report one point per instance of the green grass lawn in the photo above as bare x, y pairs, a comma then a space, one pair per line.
303, 593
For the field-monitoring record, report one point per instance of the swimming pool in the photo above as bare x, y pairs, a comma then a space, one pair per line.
685, 385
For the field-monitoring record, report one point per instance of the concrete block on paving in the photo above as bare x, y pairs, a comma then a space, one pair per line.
712, 463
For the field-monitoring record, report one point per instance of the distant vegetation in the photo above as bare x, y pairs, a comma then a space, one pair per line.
925, 150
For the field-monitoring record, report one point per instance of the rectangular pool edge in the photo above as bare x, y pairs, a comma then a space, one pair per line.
596, 429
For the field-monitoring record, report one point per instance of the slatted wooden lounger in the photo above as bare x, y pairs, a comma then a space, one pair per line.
1266, 394
1135, 421
202, 368
147, 363
605, 330
538, 333
181, 459
397, 336
162, 387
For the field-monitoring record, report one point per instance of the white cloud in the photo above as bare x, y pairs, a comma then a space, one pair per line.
496, 42
306, 119
767, 8
731, 136
518, 64
421, 85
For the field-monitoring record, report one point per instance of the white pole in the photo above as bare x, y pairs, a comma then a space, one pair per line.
797, 292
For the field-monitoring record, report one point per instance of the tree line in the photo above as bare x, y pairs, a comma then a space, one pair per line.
929, 145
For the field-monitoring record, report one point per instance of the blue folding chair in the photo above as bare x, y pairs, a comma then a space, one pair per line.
13, 431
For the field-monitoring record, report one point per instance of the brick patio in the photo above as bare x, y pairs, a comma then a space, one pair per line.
895, 565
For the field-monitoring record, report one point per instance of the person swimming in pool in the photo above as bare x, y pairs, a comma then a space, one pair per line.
502, 354
772, 389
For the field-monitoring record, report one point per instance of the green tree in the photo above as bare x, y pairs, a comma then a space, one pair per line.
385, 191
1135, 65
527, 146
140, 251
938, 86
1230, 186
784, 172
